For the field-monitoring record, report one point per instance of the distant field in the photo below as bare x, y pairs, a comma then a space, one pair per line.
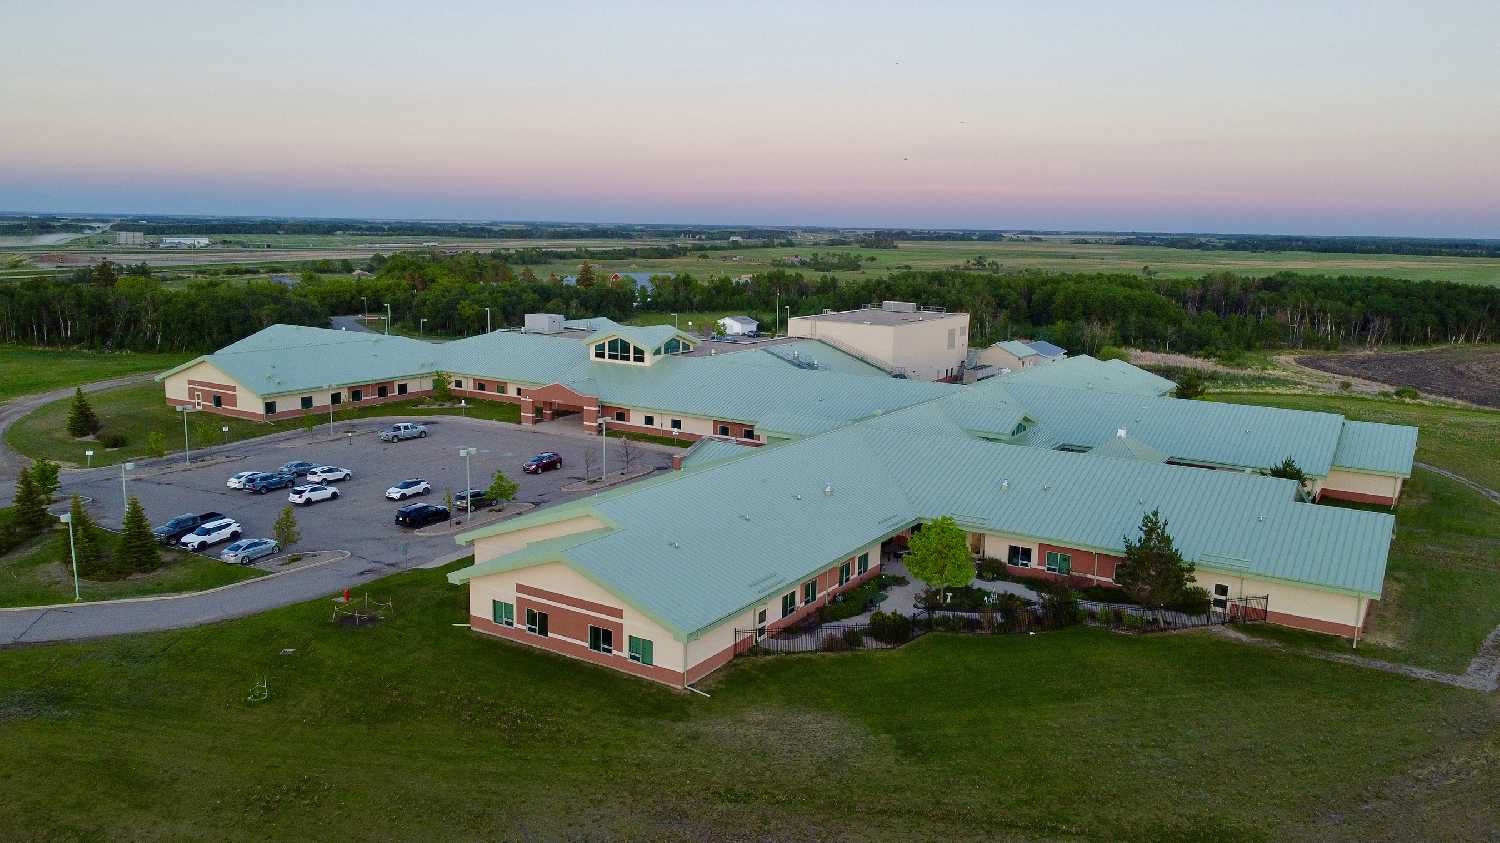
27, 370
1055, 255
1466, 372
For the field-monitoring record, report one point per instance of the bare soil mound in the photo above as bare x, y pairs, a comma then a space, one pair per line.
1468, 373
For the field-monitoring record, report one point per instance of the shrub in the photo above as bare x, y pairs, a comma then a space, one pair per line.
991, 569
1345, 386
1408, 393
854, 638
890, 627
156, 444
1194, 600
887, 581
112, 439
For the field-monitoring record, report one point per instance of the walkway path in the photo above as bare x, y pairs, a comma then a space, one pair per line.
1483, 673
1483, 490
11, 462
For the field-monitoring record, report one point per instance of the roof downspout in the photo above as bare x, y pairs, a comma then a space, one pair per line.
1359, 605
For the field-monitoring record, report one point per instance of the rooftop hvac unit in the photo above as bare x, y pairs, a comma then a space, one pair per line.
898, 306
544, 323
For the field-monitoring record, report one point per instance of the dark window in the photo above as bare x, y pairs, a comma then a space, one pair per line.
382, 391
307, 402
650, 421
356, 395
1221, 596
723, 430
864, 564
505, 613
458, 384
748, 434
601, 640
270, 408
1020, 556
218, 400
788, 603
677, 424
621, 415
809, 591
637, 354
760, 624
844, 575
536, 622
479, 385
400, 389
518, 390
599, 350
337, 398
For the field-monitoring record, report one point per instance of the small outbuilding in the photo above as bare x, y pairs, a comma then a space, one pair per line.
738, 325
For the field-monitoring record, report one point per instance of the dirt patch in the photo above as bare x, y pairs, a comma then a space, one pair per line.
1467, 373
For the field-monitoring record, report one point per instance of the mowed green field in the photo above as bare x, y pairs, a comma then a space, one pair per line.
417, 729
140, 409
27, 370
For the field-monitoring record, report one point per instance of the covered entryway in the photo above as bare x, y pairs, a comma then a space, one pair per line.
546, 403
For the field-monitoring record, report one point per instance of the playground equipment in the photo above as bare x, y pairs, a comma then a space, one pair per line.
260, 693
359, 611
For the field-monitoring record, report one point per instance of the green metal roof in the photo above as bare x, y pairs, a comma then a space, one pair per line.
1085, 372
709, 451
1128, 448
1378, 448
648, 337
696, 547
1017, 348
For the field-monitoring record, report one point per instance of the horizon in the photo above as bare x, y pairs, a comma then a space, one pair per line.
1334, 120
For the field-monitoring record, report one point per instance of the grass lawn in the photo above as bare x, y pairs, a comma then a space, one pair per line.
139, 409
27, 370
416, 729
1459, 439
39, 574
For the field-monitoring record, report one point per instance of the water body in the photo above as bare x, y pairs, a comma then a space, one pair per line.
642, 279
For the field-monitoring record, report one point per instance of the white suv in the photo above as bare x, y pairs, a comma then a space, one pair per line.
328, 474
406, 488
222, 530
308, 495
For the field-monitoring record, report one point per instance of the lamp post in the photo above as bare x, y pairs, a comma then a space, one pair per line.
364, 310
777, 313
486, 320
328, 387
468, 485
187, 454
788, 319
124, 495
674, 321
89, 456
387, 318
603, 450
67, 518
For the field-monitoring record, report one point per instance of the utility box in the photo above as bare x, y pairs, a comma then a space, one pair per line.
898, 306
544, 323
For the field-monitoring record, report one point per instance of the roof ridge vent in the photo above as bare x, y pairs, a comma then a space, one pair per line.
1005, 485
1120, 433
828, 491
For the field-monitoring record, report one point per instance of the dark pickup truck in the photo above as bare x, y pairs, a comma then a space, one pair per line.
180, 526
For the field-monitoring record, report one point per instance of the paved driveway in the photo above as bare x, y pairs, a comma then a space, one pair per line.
360, 521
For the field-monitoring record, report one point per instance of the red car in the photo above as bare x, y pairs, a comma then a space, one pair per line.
545, 461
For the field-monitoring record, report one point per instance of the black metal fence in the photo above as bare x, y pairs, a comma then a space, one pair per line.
889, 630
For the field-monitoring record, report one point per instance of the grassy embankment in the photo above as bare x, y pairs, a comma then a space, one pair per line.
27, 370
1442, 586
138, 410
413, 728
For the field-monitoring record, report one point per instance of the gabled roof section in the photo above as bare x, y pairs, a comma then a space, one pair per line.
1376, 448
1085, 372
710, 451
1017, 348
648, 337
1046, 349
1128, 448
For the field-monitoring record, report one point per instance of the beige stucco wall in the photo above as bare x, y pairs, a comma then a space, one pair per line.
662, 420
667, 652
1366, 484
920, 348
1288, 598
176, 386
997, 546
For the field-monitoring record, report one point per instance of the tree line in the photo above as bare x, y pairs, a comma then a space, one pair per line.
1219, 313
1442, 247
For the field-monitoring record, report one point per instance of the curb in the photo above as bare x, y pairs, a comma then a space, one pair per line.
178, 595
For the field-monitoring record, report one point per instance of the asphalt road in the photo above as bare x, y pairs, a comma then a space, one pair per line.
360, 521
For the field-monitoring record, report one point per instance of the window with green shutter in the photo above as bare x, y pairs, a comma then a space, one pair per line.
640, 650
788, 603
809, 591
864, 564
844, 574
504, 613
1059, 563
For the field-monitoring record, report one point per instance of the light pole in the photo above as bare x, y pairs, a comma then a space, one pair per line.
777, 313
387, 318
468, 485
67, 518
124, 495
187, 455
364, 310
328, 387
486, 320
674, 321
421, 327
603, 450
788, 319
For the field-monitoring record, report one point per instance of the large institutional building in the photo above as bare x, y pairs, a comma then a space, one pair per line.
810, 457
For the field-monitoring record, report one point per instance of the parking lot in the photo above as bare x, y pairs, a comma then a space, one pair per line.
361, 520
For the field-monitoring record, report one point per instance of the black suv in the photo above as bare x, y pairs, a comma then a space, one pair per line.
180, 526
266, 482
421, 514
475, 498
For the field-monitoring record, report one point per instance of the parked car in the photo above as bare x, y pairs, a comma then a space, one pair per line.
545, 461
420, 514
246, 551
180, 526
238, 480
403, 430
297, 468
267, 482
328, 474
309, 495
218, 530
474, 498
407, 488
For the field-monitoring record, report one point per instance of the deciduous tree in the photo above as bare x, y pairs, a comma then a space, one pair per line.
502, 488
940, 555
285, 529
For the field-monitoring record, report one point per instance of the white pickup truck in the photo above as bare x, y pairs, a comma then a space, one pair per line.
404, 430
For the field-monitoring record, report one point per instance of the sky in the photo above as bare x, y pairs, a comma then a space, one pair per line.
1246, 117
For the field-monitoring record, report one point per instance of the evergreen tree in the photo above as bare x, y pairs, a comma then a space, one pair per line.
1153, 571
81, 418
86, 541
1288, 470
30, 505
137, 550
285, 528
586, 275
